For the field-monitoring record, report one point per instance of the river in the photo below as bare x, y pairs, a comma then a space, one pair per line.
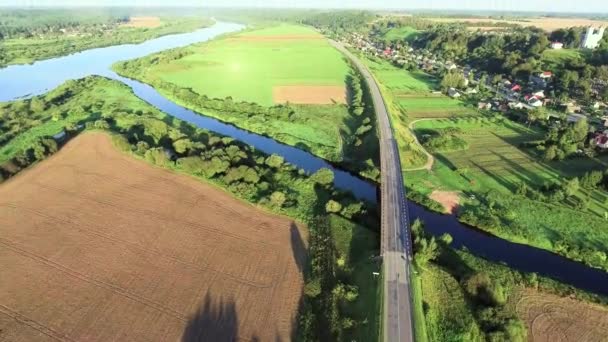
27, 80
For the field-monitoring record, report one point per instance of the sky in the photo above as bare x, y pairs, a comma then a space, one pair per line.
587, 6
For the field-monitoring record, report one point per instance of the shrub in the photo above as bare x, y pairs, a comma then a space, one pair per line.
333, 207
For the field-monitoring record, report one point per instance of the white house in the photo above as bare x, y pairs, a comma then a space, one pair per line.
453, 93
539, 93
557, 45
535, 102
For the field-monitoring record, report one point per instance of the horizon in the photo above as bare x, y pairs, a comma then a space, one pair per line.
470, 6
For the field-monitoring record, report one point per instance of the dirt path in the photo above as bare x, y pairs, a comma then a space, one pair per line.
429, 157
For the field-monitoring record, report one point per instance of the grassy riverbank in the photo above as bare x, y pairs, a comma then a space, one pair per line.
282, 81
27, 126
466, 298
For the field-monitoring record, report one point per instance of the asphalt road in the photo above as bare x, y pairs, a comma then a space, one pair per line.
395, 240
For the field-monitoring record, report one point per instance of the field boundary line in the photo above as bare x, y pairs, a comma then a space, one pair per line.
33, 324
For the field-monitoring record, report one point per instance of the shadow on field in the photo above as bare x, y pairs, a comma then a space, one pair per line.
298, 247
214, 321
360, 141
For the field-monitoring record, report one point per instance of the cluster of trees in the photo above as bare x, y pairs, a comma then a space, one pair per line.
323, 316
361, 149
339, 22
443, 139
487, 295
516, 54
561, 142
38, 22
452, 79
37, 150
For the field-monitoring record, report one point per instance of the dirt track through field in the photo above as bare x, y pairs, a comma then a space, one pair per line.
98, 246
309, 94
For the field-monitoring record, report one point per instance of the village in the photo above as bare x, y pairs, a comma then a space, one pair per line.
502, 93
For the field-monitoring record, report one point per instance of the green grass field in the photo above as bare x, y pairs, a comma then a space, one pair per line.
495, 162
554, 60
406, 33
248, 65
410, 96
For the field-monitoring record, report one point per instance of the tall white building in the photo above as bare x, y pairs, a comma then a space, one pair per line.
592, 37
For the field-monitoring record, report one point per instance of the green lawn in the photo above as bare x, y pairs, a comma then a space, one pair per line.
433, 107
400, 81
249, 65
556, 59
406, 33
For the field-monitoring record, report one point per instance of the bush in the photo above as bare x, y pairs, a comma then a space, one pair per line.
121, 142
333, 207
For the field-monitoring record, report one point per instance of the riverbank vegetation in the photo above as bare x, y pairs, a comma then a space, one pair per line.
238, 79
339, 262
30, 35
466, 298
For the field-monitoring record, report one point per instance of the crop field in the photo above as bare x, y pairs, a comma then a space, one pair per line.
545, 23
98, 246
250, 65
555, 319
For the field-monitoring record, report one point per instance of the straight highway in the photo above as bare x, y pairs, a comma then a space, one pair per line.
395, 246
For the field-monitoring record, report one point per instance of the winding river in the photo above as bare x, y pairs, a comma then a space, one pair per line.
27, 80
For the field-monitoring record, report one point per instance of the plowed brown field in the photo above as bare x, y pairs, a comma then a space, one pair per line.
143, 22
98, 246
555, 319
309, 94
